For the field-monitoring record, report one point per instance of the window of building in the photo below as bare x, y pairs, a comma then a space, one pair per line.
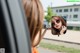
65, 17
75, 16
71, 10
65, 10
76, 9
60, 10
56, 10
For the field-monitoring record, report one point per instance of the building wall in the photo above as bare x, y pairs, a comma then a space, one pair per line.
69, 16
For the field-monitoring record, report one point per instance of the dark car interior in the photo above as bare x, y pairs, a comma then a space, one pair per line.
14, 33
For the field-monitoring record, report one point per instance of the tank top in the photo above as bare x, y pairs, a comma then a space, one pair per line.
34, 50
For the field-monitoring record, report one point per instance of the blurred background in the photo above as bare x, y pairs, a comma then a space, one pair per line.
70, 11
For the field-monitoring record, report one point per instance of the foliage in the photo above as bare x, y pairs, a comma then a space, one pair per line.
59, 48
49, 14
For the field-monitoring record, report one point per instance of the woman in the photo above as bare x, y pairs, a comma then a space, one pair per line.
34, 15
58, 25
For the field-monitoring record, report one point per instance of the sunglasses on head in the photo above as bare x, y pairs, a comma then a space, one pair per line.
57, 21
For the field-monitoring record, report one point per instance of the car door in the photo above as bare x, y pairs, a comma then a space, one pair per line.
14, 34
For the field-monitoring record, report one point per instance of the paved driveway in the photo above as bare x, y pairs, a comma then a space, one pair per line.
71, 36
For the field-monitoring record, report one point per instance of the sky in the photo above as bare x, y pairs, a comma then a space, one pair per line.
55, 3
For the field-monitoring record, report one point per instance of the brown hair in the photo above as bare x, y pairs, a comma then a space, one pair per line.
62, 20
54, 30
34, 14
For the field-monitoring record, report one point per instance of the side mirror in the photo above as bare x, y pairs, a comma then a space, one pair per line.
58, 25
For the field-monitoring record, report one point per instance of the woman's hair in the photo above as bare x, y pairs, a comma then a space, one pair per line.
34, 14
54, 30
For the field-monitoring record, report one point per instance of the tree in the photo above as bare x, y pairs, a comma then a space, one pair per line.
49, 14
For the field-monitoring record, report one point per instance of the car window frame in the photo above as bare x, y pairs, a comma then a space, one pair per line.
16, 26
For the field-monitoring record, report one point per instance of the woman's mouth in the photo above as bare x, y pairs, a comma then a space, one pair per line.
57, 26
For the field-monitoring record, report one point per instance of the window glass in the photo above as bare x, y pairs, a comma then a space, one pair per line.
56, 10
76, 9
75, 16
65, 10
60, 10
70, 10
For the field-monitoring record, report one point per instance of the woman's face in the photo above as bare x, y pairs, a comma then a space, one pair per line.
56, 23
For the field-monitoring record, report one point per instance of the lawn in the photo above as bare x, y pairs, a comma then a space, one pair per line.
59, 48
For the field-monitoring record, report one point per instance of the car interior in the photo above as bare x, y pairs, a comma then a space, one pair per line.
14, 33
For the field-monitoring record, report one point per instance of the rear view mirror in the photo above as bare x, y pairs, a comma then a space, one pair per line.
58, 25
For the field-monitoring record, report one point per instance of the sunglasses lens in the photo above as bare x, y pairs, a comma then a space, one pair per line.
57, 21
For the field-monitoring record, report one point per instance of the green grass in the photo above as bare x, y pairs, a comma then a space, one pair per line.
59, 48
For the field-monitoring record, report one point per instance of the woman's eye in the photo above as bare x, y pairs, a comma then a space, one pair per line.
57, 21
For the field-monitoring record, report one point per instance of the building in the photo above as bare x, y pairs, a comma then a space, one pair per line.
70, 12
